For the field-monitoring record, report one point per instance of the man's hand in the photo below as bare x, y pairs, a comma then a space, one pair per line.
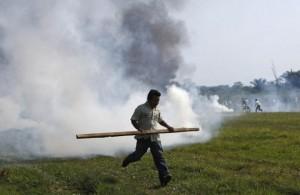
136, 125
171, 129
163, 123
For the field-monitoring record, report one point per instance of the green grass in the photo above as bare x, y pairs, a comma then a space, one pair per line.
258, 153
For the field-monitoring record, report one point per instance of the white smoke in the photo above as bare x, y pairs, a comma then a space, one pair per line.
179, 103
188, 108
61, 74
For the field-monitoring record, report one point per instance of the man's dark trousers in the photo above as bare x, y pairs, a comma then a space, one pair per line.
142, 146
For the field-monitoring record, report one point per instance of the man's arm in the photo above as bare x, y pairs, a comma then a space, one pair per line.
135, 124
136, 117
163, 123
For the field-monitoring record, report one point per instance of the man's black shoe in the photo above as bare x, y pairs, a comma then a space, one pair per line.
125, 163
165, 180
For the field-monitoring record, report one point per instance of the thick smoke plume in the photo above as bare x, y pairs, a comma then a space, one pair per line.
72, 67
153, 53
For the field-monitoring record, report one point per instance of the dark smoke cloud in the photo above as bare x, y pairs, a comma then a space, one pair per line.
2, 56
176, 4
3, 66
153, 54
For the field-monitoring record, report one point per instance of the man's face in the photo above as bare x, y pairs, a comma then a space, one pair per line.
154, 101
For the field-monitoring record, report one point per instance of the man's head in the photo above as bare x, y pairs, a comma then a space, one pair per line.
153, 98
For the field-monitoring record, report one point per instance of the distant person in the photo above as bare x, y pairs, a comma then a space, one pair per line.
257, 106
145, 117
245, 106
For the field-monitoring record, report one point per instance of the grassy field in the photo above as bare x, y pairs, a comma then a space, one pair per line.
253, 154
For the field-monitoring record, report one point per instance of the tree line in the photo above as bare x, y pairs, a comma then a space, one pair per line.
281, 94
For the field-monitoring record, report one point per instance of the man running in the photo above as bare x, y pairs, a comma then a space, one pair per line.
257, 106
145, 117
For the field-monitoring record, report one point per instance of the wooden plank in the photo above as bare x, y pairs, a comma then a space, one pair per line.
127, 133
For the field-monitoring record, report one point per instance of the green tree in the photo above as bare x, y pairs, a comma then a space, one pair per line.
292, 78
259, 84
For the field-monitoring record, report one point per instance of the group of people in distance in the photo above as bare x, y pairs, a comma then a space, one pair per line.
246, 108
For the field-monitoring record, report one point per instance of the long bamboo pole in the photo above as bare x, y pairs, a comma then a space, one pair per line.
127, 133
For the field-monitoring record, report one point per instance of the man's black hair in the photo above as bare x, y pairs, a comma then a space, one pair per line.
153, 92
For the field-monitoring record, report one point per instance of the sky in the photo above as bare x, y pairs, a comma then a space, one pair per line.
238, 40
